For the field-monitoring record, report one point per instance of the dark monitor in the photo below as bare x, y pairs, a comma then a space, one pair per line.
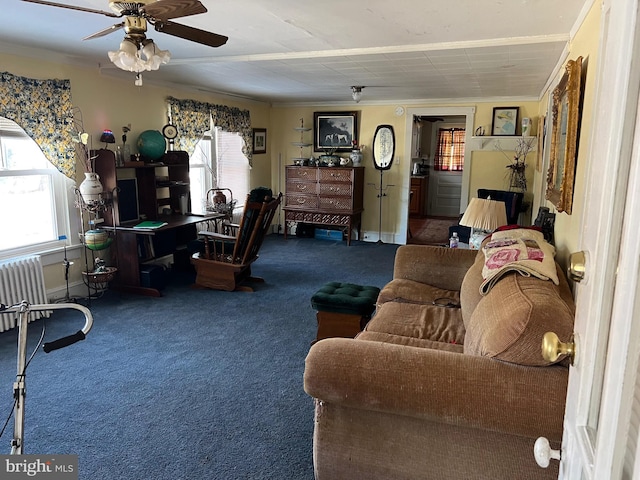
127, 201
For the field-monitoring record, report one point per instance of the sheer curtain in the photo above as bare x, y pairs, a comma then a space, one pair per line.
450, 149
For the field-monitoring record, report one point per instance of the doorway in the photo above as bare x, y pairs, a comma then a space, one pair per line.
446, 193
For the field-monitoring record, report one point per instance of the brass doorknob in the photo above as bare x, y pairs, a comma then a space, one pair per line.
553, 348
577, 266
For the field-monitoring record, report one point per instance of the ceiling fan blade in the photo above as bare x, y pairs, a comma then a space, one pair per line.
168, 9
73, 7
190, 33
106, 31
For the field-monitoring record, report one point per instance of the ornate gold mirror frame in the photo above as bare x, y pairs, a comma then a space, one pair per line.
564, 137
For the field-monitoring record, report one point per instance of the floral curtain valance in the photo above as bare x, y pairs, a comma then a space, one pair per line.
193, 119
43, 109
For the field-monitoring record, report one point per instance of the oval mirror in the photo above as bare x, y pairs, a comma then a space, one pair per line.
384, 147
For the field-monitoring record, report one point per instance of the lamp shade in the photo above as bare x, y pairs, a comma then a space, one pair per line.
484, 214
107, 137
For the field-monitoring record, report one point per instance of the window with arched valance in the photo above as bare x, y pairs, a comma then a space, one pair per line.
44, 110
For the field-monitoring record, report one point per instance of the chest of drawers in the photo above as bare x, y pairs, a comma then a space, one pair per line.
325, 196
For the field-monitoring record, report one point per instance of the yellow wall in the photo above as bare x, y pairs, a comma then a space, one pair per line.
585, 44
285, 119
488, 168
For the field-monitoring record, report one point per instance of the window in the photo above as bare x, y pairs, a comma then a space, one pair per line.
34, 205
450, 149
218, 161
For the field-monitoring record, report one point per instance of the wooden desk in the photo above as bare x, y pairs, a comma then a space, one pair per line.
180, 230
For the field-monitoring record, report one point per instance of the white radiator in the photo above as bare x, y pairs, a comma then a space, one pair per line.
21, 279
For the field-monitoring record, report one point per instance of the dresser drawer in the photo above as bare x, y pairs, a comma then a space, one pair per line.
302, 201
336, 203
302, 174
339, 189
307, 188
335, 175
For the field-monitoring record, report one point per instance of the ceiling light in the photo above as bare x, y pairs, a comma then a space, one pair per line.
137, 54
356, 93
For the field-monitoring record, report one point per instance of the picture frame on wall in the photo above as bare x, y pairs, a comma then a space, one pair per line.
565, 125
505, 121
259, 140
334, 131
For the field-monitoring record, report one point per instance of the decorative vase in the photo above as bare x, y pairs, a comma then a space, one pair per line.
356, 157
91, 188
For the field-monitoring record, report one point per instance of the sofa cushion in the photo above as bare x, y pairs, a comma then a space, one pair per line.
470, 294
427, 322
409, 291
508, 323
409, 341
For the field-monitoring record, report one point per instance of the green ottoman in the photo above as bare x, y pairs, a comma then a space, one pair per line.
343, 308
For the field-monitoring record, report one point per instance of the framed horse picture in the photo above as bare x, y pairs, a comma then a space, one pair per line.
334, 131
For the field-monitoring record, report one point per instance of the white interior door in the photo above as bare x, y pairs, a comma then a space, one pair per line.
600, 396
444, 193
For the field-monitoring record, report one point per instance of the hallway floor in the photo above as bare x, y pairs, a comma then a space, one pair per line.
430, 230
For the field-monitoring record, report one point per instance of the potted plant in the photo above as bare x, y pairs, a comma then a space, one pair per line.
517, 165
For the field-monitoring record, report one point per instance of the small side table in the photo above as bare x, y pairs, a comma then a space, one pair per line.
343, 308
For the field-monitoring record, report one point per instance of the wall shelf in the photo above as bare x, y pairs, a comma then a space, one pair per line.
506, 143
302, 144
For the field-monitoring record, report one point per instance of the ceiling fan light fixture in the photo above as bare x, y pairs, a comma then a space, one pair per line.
137, 56
126, 57
356, 93
154, 56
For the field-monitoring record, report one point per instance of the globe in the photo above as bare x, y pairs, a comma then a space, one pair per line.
151, 144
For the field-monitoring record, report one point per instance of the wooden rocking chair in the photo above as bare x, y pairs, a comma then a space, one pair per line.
226, 260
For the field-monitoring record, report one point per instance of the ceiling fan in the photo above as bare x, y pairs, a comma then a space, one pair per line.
136, 17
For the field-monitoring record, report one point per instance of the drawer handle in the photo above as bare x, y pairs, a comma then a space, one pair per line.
302, 187
301, 201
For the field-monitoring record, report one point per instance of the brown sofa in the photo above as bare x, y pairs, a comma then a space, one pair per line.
439, 392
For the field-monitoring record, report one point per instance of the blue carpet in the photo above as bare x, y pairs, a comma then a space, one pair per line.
197, 384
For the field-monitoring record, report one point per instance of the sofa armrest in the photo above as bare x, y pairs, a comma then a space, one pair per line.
437, 266
439, 386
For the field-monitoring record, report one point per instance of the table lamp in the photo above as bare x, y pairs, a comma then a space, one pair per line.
483, 216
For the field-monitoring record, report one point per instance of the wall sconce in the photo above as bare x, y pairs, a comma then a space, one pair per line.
356, 93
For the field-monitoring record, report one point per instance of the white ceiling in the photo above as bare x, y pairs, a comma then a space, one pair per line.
283, 51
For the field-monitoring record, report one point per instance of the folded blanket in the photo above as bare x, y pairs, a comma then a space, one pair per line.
519, 250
